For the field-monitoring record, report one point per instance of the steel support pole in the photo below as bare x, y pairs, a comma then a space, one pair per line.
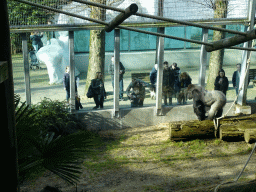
116, 73
72, 71
26, 68
203, 59
246, 54
160, 54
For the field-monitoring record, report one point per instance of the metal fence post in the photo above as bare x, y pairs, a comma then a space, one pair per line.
72, 71
26, 68
203, 59
116, 73
246, 54
160, 55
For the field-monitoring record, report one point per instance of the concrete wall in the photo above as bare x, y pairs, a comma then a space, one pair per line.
146, 60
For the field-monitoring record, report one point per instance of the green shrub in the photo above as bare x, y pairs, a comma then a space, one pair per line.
54, 117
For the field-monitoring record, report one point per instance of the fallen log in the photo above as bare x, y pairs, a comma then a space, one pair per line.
191, 130
250, 135
231, 128
228, 132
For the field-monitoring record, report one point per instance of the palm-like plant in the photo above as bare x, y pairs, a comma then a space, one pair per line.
39, 150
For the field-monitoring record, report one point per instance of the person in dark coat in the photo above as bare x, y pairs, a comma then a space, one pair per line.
185, 81
168, 80
98, 90
136, 92
236, 77
36, 40
66, 83
111, 69
153, 75
176, 86
221, 82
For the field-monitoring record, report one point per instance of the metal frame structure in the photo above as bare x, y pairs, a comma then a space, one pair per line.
160, 49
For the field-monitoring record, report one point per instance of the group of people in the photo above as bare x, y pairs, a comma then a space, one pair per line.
174, 83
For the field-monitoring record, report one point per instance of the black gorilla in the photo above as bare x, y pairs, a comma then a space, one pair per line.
199, 109
216, 100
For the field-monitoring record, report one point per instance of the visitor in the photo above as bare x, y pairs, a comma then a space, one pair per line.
236, 77
185, 81
36, 40
176, 85
98, 90
111, 70
66, 83
168, 81
221, 82
137, 94
153, 77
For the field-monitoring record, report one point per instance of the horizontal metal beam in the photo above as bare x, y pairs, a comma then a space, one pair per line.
229, 42
106, 24
95, 26
127, 28
132, 9
163, 18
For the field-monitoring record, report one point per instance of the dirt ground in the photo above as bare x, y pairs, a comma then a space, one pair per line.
144, 159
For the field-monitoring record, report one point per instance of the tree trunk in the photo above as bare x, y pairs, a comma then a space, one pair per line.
97, 46
216, 58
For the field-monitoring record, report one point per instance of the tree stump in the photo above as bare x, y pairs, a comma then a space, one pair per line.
250, 135
191, 130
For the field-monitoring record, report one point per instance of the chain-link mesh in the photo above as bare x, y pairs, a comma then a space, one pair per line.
22, 14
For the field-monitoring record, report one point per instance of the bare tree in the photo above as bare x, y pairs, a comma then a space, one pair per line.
97, 43
216, 59
220, 8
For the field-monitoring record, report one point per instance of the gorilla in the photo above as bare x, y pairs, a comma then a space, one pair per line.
216, 100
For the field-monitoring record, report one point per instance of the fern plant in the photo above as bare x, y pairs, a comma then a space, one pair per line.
40, 150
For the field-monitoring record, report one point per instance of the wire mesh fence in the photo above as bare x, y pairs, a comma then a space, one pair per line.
132, 42
24, 15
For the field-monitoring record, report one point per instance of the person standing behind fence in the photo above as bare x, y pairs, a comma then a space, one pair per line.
111, 69
176, 86
236, 77
98, 90
153, 77
36, 40
185, 81
66, 83
221, 82
137, 95
167, 83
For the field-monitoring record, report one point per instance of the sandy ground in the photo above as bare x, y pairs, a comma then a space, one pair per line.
145, 160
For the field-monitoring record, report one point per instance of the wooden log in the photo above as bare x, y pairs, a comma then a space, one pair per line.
250, 135
191, 130
228, 132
